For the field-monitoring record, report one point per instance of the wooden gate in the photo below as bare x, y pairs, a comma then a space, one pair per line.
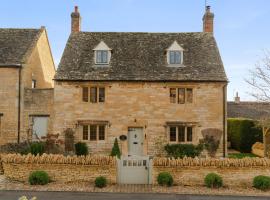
134, 170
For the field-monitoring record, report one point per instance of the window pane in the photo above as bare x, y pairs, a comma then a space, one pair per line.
93, 133
101, 132
104, 57
181, 95
181, 134
34, 83
101, 97
189, 134
93, 94
85, 132
98, 56
172, 57
173, 95
177, 57
189, 95
173, 134
85, 94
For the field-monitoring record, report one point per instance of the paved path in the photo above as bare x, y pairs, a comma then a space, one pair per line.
13, 195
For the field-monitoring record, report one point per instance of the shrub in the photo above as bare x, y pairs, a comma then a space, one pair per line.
100, 182
213, 180
39, 178
81, 149
182, 150
37, 148
165, 179
243, 133
261, 182
210, 144
116, 149
22, 148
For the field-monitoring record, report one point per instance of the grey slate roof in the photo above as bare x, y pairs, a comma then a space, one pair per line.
141, 57
248, 109
15, 43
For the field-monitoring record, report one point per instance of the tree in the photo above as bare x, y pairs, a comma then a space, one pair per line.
260, 83
116, 149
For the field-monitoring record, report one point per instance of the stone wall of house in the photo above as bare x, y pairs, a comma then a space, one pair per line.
235, 172
9, 91
138, 104
37, 102
60, 168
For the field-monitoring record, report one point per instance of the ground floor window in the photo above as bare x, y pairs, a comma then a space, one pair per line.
181, 134
93, 132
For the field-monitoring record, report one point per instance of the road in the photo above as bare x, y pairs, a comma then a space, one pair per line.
14, 195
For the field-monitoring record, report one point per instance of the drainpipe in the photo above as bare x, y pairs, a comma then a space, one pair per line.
19, 104
224, 118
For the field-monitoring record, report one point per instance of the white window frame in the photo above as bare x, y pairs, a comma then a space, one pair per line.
102, 47
175, 47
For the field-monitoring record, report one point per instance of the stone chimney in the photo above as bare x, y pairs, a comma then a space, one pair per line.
236, 98
75, 20
208, 20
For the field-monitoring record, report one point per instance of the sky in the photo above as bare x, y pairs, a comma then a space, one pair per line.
242, 27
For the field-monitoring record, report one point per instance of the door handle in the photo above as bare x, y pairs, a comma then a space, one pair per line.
146, 167
135, 142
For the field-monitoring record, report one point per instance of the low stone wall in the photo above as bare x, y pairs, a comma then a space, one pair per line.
60, 168
235, 172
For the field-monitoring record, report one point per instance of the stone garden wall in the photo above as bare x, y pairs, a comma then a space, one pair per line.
235, 172
60, 168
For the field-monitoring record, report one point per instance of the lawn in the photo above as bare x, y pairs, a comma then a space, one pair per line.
240, 155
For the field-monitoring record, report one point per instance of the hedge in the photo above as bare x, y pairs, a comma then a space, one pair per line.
243, 133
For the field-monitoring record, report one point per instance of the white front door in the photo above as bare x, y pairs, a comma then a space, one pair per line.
135, 141
40, 127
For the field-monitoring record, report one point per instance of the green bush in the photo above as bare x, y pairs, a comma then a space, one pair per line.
261, 182
116, 149
213, 180
81, 149
39, 178
243, 133
100, 182
182, 150
165, 179
37, 148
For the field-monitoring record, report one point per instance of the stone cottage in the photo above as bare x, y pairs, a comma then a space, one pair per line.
26, 85
146, 89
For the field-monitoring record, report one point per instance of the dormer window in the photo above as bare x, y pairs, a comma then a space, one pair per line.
102, 54
175, 55
101, 57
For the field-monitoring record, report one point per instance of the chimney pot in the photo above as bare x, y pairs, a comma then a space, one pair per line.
76, 9
237, 98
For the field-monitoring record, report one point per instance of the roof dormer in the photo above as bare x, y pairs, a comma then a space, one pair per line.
175, 55
102, 54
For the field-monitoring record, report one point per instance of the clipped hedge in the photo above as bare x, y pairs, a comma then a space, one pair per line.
165, 179
261, 182
183, 150
213, 180
100, 182
39, 178
243, 133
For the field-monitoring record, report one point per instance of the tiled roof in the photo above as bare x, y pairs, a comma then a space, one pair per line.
141, 57
250, 110
15, 43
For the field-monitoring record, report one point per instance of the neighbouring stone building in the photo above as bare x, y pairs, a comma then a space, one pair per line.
26, 83
147, 89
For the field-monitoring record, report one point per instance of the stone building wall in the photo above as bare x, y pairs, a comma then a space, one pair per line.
37, 102
9, 79
137, 104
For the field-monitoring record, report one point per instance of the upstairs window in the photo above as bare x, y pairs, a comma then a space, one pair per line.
175, 55
101, 57
102, 54
93, 94
181, 95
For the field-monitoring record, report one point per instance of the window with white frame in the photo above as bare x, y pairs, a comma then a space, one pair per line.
94, 132
102, 54
175, 55
180, 134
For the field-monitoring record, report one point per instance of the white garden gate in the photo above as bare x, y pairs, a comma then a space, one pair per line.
134, 170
